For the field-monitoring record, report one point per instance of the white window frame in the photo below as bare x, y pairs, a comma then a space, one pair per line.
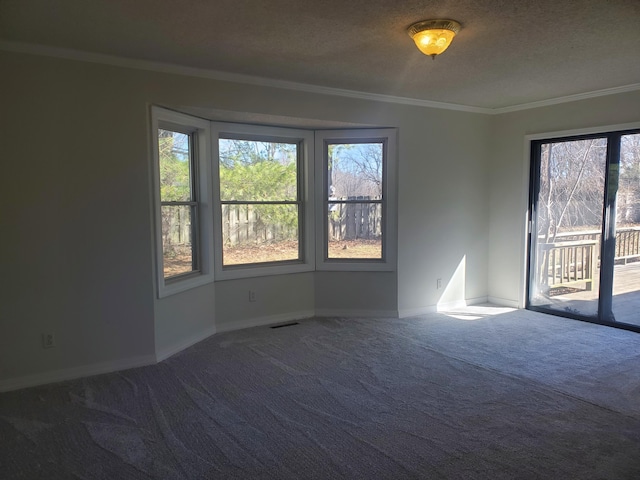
388, 136
304, 139
200, 131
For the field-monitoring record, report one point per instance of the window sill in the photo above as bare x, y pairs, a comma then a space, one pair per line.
248, 271
166, 289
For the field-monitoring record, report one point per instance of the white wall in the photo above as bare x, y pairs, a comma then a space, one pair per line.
77, 248
356, 293
184, 319
444, 207
278, 298
75, 219
509, 164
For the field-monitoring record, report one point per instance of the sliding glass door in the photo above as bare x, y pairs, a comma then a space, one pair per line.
569, 207
585, 224
626, 274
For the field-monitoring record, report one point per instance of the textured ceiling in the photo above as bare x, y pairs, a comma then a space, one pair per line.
509, 52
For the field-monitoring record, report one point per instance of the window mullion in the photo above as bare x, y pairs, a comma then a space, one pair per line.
355, 201
178, 204
255, 202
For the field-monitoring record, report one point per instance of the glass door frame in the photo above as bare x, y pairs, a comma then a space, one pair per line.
605, 314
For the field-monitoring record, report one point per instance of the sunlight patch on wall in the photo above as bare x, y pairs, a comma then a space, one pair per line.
453, 295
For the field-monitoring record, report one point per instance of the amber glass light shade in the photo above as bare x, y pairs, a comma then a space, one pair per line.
433, 42
432, 37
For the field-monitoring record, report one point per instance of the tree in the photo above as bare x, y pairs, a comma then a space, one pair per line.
356, 169
175, 186
571, 186
174, 166
571, 195
628, 203
256, 171
355, 173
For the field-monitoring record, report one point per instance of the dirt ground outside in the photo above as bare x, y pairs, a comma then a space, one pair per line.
180, 261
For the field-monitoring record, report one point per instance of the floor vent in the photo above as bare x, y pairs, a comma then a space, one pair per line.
285, 325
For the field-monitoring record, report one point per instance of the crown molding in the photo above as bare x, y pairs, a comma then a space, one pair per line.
566, 99
69, 54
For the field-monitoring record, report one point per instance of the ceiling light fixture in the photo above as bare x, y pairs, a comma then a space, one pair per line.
433, 37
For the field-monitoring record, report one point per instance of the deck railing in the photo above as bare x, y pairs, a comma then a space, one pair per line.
569, 263
572, 259
628, 244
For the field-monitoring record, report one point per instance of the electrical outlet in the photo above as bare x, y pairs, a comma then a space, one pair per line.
439, 283
252, 296
48, 340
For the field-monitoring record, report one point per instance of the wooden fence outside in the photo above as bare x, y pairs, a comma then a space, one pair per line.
349, 218
243, 224
350, 221
176, 229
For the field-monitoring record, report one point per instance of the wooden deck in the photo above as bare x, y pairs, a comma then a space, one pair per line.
626, 295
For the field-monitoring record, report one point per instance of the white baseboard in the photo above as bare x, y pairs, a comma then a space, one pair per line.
447, 306
75, 372
503, 302
416, 312
261, 321
330, 312
165, 353
477, 301
145, 360
461, 303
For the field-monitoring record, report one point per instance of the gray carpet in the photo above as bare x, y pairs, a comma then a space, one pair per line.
517, 395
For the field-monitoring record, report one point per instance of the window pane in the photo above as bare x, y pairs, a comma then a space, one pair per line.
259, 233
177, 239
566, 265
626, 273
355, 230
175, 166
258, 171
355, 170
